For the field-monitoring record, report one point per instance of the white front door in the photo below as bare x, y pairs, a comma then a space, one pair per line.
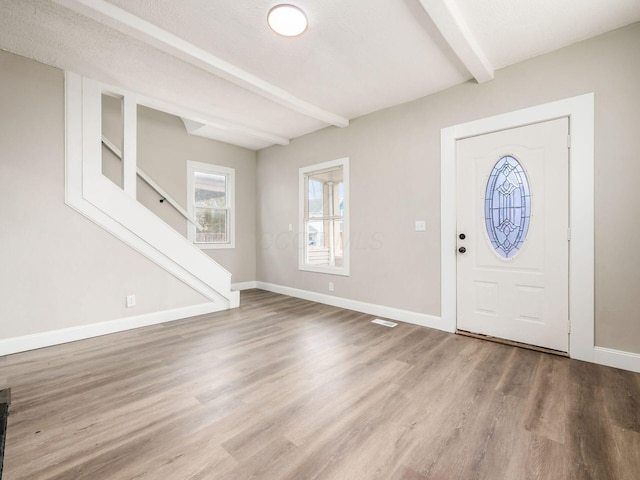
512, 227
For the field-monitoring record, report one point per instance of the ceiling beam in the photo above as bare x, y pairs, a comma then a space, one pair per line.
225, 130
229, 132
159, 38
447, 17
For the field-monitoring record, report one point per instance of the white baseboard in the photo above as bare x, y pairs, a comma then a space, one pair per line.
244, 285
56, 337
602, 356
406, 316
617, 358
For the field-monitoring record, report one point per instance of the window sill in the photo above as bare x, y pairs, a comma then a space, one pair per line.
343, 271
214, 246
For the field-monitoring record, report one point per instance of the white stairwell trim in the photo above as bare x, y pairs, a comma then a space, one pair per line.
617, 359
24, 343
102, 202
406, 316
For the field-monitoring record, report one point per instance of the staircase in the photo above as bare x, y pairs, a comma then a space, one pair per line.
116, 209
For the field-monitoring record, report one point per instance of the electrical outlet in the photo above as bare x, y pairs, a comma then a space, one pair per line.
421, 226
331, 286
291, 227
131, 301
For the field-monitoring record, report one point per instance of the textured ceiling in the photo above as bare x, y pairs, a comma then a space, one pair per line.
510, 31
356, 57
353, 49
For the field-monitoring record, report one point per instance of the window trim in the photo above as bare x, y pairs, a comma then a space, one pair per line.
302, 237
230, 173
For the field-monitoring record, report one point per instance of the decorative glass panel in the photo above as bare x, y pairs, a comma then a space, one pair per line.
507, 206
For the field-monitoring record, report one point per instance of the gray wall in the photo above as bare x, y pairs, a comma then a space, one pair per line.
395, 180
58, 269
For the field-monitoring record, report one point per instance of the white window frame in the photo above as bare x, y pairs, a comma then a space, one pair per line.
230, 173
302, 189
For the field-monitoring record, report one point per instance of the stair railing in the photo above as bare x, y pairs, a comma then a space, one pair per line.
149, 181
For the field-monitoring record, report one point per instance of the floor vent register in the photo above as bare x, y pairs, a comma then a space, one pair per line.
386, 323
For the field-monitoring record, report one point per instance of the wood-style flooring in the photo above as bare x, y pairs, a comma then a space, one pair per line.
283, 388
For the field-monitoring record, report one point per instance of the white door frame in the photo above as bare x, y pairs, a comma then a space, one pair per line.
580, 111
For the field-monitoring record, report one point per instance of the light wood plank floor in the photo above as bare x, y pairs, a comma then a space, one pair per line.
288, 389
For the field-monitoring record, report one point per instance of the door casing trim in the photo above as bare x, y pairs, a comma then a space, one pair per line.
580, 111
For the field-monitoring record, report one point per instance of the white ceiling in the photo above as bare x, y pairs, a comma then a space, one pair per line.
217, 62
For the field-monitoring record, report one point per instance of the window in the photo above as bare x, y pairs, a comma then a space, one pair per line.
324, 217
507, 206
210, 193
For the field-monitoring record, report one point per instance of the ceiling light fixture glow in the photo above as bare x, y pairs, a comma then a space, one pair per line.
287, 20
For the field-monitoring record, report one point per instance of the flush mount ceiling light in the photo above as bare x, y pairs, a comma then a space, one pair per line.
287, 20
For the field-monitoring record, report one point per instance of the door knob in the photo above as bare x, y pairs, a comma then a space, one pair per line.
462, 249
462, 236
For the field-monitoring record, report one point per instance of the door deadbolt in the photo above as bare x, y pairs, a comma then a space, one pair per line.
462, 236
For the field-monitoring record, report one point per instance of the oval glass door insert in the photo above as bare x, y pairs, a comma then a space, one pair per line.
507, 206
